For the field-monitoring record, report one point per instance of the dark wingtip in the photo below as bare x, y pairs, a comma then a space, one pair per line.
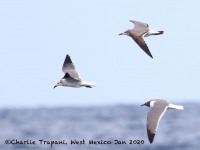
149, 54
68, 59
150, 136
67, 56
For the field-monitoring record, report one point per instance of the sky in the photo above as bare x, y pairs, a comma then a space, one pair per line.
36, 35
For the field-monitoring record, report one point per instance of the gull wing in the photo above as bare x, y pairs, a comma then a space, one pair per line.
140, 28
153, 119
140, 41
69, 69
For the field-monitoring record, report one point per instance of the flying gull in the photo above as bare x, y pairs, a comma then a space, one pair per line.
137, 33
158, 108
72, 77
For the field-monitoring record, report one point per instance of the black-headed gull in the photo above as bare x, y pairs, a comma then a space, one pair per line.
137, 33
158, 108
72, 77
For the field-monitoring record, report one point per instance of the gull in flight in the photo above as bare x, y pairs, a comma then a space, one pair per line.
158, 108
137, 33
72, 77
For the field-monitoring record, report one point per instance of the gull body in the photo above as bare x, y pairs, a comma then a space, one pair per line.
158, 108
72, 77
137, 33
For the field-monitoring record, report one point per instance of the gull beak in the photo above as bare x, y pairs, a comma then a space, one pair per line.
142, 105
122, 34
55, 86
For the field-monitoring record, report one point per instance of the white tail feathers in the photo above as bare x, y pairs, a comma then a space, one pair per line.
176, 106
89, 84
92, 84
151, 32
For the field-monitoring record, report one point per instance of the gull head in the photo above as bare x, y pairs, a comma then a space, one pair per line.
125, 33
149, 103
58, 84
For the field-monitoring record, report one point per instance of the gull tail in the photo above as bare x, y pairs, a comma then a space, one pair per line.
159, 32
149, 33
89, 84
179, 107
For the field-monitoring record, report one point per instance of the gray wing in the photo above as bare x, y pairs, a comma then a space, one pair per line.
140, 41
140, 28
69, 69
153, 118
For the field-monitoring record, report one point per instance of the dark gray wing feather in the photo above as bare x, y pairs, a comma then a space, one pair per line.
140, 41
153, 118
69, 69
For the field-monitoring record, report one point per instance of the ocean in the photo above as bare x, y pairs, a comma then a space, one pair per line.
120, 127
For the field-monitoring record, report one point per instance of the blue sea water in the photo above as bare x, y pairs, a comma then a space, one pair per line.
104, 125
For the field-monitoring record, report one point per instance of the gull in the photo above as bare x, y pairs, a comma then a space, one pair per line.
72, 77
137, 33
158, 108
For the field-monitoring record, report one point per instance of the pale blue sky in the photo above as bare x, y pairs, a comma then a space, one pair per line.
36, 35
